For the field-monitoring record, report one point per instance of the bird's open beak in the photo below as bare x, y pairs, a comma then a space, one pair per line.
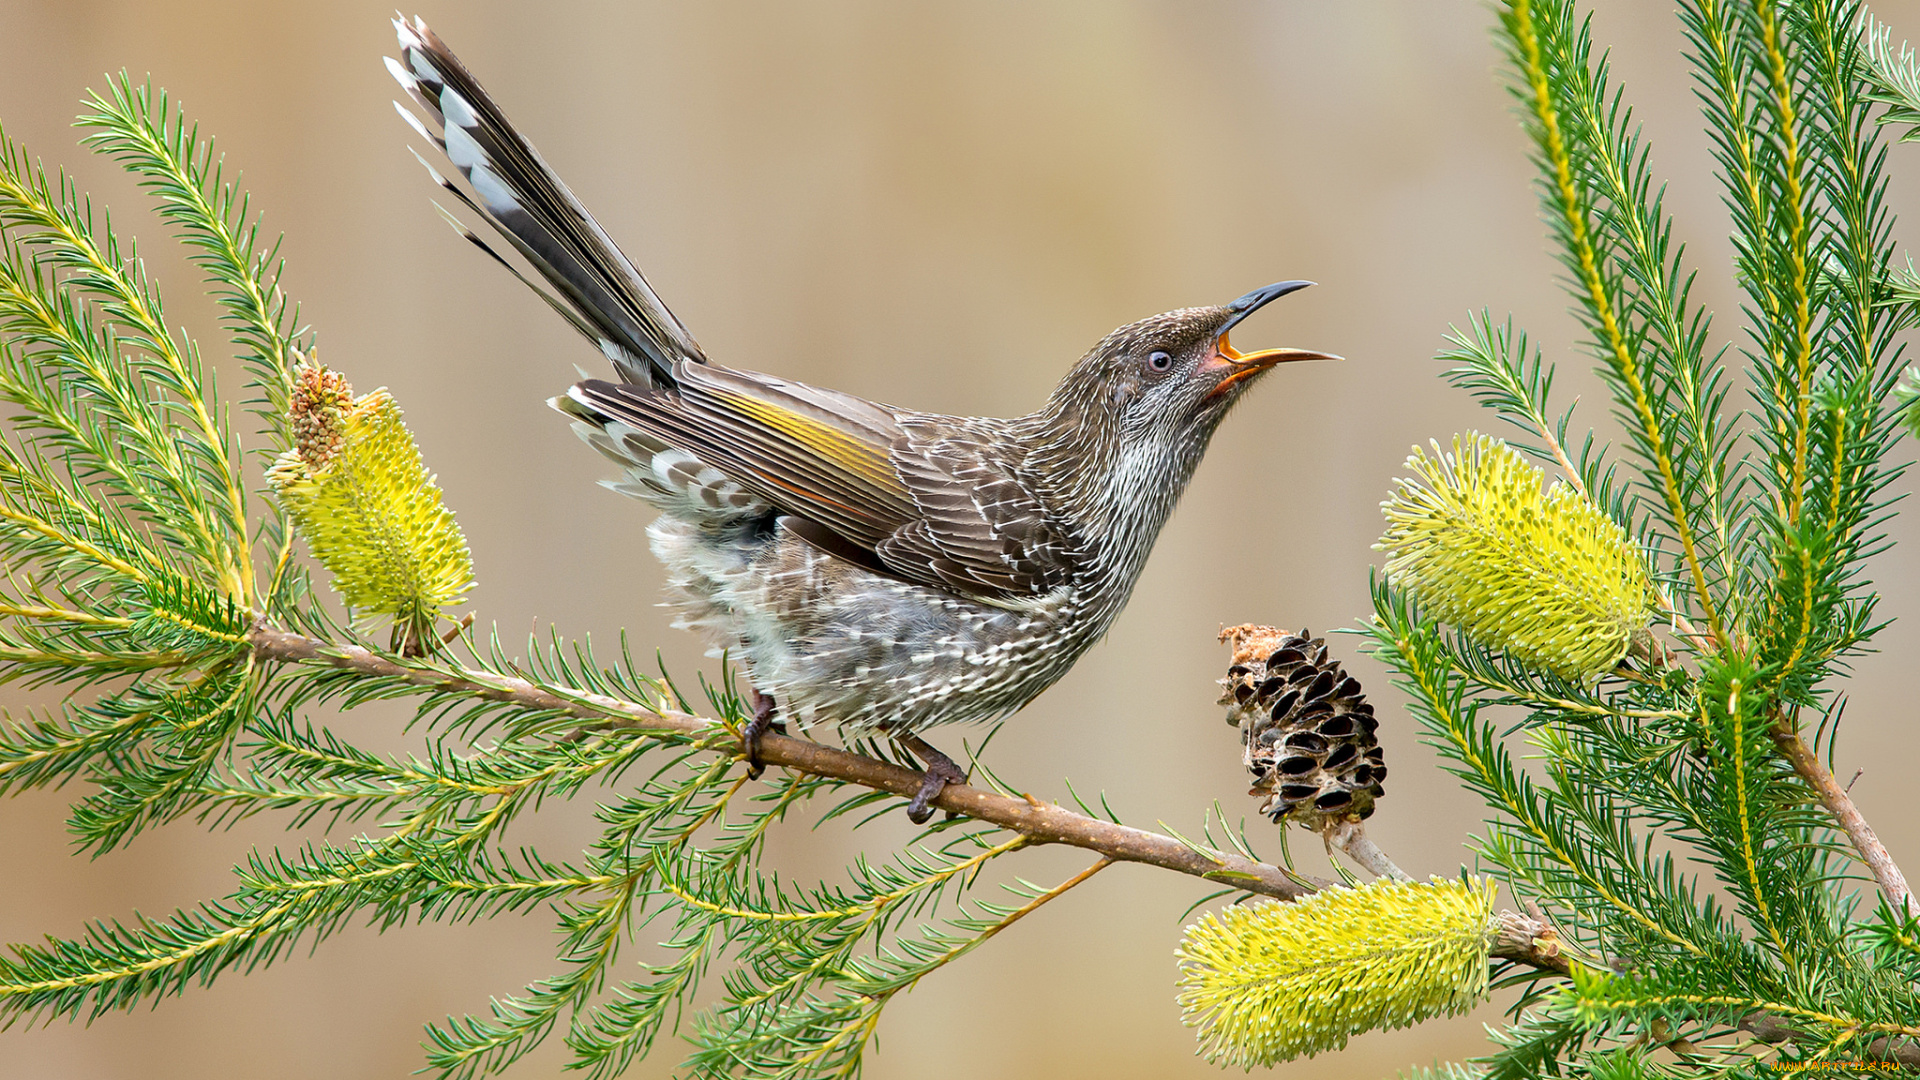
1231, 365
1239, 366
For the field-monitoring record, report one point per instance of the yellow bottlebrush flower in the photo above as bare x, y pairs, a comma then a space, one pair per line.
1546, 576
1270, 982
359, 494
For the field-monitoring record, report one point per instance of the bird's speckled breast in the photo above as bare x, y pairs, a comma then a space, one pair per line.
833, 642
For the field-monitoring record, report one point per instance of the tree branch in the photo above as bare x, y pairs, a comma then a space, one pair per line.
1044, 823
1520, 938
1893, 1049
1893, 884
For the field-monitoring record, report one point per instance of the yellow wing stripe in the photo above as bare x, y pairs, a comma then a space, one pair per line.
859, 458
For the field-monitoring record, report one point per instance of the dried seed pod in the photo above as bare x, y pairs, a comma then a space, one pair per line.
1306, 730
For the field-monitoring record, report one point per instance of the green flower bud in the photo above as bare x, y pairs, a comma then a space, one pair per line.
359, 494
1267, 983
1548, 577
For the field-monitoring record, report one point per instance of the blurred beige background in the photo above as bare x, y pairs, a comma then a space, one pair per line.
940, 206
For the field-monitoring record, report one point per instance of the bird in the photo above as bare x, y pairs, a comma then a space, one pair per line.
872, 568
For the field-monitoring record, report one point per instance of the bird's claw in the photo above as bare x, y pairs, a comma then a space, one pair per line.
941, 771
761, 723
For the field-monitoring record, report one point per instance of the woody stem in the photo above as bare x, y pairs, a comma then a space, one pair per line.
1522, 939
1893, 884
1043, 822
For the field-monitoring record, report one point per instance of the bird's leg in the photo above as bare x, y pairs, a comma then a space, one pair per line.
941, 771
761, 723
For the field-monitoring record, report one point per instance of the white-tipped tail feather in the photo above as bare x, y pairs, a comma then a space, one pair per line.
601, 292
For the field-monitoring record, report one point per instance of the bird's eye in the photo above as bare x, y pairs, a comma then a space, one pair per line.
1160, 361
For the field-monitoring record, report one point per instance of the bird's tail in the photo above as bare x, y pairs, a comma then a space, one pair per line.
602, 293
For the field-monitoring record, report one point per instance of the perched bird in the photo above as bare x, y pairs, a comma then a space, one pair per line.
873, 568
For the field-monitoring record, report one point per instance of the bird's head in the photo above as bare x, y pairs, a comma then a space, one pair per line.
1123, 432
1159, 387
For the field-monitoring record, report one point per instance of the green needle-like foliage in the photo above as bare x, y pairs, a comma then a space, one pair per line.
145, 576
1634, 668
1906, 393
125, 526
1679, 826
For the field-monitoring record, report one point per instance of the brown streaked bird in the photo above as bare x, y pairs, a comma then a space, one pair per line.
876, 569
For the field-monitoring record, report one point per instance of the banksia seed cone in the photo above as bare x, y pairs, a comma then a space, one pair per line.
1549, 578
1306, 731
359, 494
1266, 983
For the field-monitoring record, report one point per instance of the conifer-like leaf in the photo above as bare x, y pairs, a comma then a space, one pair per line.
1546, 576
1895, 81
1907, 392
1270, 982
359, 493
1665, 823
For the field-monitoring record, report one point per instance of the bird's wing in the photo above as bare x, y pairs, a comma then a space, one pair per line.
927, 501
981, 530
606, 296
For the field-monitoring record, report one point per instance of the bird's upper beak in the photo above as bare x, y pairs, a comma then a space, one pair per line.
1232, 366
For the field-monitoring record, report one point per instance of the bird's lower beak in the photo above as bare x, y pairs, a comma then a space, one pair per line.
1232, 366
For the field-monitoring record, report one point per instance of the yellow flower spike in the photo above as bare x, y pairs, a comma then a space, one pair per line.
1267, 983
1548, 577
359, 494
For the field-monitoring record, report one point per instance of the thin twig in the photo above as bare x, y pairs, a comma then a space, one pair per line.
1349, 834
1039, 900
453, 633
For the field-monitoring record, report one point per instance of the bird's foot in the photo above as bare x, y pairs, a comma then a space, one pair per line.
761, 723
941, 771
